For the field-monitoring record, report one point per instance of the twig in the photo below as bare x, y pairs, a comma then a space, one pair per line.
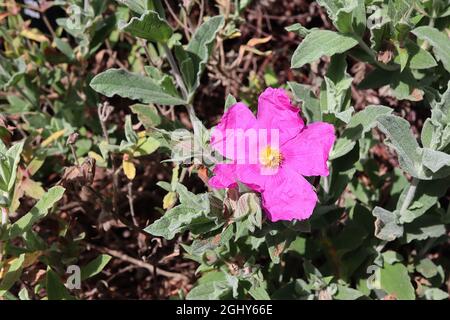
174, 16
409, 196
142, 264
104, 111
147, 53
48, 25
130, 202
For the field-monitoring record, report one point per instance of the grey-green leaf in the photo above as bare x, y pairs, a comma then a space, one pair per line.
439, 41
197, 53
95, 266
320, 43
435, 160
149, 26
38, 212
213, 290
133, 86
394, 279
398, 132
311, 105
386, 225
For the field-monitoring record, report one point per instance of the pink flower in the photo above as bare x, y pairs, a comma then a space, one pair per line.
271, 153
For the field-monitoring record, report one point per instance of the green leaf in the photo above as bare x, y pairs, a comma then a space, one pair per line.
394, 279
38, 212
55, 288
146, 146
436, 294
149, 26
400, 137
95, 266
417, 57
426, 196
176, 220
8, 165
310, 104
299, 29
427, 226
367, 118
147, 114
346, 293
435, 160
320, 43
12, 275
130, 135
351, 17
213, 290
11, 71
403, 84
427, 268
65, 48
133, 86
259, 293
229, 102
439, 41
193, 59
359, 124
387, 226
138, 6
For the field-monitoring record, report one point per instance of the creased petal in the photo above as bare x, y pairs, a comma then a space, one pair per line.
308, 152
224, 136
288, 196
224, 176
252, 177
275, 111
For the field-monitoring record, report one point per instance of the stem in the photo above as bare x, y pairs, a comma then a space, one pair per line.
178, 78
409, 196
74, 154
48, 25
139, 263
176, 71
130, 203
104, 111
326, 184
4, 216
369, 51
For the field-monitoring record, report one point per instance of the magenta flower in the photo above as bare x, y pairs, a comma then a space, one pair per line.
271, 153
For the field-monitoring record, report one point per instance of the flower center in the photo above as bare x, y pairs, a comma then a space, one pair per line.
270, 157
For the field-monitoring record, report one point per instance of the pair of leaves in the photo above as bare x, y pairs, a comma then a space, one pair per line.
9, 161
421, 163
192, 59
192, 213
439, 41
320, 43
38, 212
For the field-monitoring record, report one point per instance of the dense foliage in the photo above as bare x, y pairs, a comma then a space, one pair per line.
74, 156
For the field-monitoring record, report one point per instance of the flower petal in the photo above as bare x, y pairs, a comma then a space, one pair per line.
308, 152
252, 176
288, 196
224, 176
275, 111
224, 136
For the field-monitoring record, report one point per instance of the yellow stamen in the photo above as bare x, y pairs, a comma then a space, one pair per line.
270, 157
